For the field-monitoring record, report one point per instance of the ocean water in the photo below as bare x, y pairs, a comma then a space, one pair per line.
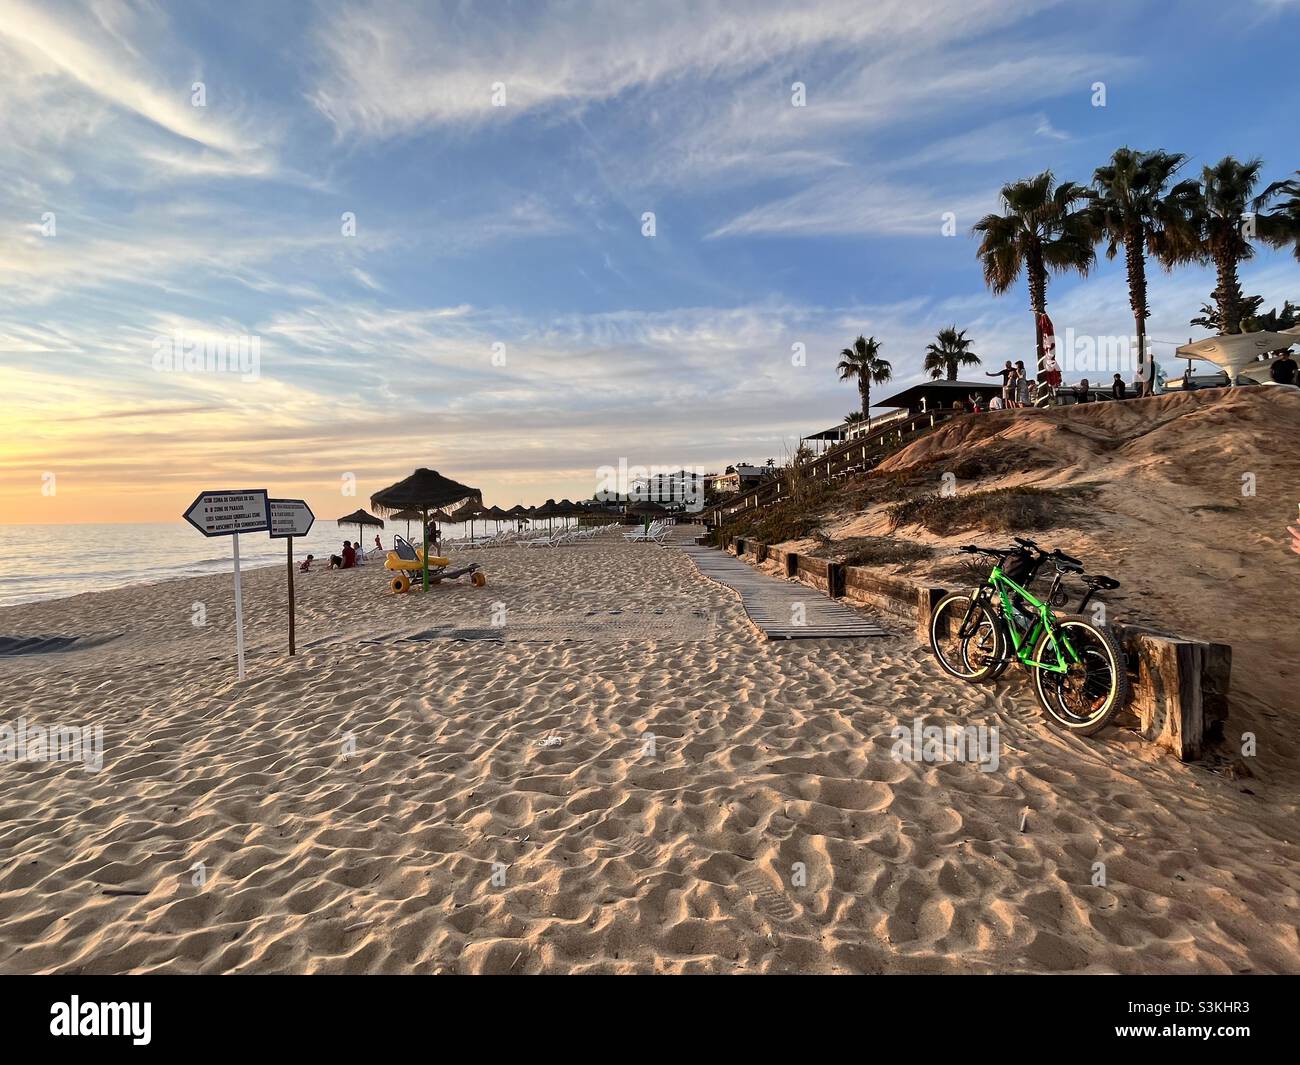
53, 561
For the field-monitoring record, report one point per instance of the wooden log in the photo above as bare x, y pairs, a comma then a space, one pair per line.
785, 560
814, 572
1167, 696
866, 583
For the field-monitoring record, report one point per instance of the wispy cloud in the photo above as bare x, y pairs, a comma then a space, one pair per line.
393, 68
857, 205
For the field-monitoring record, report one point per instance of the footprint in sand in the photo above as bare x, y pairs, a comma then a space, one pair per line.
770, 901
639, 846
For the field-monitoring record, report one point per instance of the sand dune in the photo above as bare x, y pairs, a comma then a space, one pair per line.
381, 804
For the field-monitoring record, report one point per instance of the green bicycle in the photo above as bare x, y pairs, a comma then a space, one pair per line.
1078, 671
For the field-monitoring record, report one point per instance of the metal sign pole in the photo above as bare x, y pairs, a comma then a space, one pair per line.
289, 541
239, 612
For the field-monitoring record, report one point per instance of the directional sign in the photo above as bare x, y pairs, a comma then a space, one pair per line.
228, 513
290, 517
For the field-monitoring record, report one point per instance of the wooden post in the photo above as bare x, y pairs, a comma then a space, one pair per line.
926, 600
835, 580
289, 542
1168, 695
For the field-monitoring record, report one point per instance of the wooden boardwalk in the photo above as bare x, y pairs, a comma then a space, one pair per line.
782, 609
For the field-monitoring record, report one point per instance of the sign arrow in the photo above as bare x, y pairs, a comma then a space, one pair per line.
290, 517
230, 513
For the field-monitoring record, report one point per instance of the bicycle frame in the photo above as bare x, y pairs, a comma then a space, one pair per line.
1045, 621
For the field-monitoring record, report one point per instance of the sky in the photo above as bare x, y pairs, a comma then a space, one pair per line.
430, 224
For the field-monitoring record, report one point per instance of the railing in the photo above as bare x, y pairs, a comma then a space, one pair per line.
849, 457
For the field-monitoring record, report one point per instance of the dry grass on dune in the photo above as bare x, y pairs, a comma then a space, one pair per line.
1184, 498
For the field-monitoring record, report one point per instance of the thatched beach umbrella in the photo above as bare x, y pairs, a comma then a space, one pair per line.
547, 511
470, 512
360, 519
499, 515
518, 514
647, 506
647, 509
407, 516
424, 490
566, 509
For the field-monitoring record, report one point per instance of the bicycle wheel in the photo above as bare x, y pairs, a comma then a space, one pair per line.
1095, 685
966, 637
987, 651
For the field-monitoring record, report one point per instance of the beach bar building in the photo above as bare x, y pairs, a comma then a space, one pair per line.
928, 396
827, 438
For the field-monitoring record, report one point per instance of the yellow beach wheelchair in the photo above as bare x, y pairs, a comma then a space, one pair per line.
406, 563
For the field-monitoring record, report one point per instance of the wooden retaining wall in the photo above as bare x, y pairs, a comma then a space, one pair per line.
1180, 687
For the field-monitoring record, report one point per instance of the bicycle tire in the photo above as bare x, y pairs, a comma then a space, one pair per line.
1083, 700
948, 614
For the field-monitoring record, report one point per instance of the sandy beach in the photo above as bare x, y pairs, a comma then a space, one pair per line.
609, 771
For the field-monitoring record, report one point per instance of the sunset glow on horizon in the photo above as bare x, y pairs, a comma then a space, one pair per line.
437, 272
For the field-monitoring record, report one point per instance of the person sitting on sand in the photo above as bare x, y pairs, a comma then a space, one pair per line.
997, 403
1283, 370
976, 402
347, 560
1082, 393
305, 567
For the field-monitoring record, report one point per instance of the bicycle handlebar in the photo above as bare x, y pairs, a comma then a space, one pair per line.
996, 552
1025, 547
1060, 556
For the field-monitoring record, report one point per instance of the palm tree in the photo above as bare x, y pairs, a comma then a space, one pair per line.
1041, 228
1290, 209
1133, 209
863, 361
951, 351
1227, 218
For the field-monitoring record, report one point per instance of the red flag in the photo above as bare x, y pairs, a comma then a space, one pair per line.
1049, 334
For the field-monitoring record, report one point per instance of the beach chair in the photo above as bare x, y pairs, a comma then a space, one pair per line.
655, 532
406, 563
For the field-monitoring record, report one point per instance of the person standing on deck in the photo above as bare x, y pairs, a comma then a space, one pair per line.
1023, 395
1005, 373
